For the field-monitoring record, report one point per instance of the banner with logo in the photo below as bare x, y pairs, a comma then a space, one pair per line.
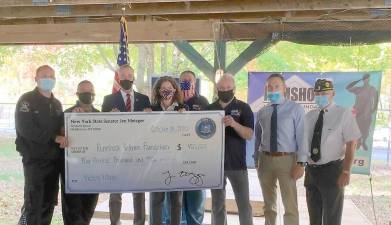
358, 91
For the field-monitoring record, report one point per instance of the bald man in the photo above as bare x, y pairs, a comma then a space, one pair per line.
38, 124
239, 125
78, 209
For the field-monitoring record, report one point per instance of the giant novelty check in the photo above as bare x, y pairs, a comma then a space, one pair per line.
144, 152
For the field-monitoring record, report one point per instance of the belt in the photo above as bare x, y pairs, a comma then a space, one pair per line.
325, 165
277, 154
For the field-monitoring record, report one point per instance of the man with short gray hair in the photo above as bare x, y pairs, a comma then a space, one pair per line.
126, 100
239, 123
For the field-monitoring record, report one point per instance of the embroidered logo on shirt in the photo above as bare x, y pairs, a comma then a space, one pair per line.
24, 107
235, 112
196, 107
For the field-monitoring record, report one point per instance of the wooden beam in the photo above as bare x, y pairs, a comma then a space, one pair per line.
7, 3
197, 8
196, 58
151, 31
262, 16
251, 52
167, 31
253, 30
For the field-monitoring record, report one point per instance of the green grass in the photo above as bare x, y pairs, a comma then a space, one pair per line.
57, 220
11, 176
7, 148
361, 186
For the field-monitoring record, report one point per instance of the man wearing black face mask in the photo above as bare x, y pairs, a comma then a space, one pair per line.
239, 125
126, 100
79, 208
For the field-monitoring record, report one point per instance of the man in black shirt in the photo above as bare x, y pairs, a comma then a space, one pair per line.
193, 201
239, 125
78, 209
38, 123
192, 99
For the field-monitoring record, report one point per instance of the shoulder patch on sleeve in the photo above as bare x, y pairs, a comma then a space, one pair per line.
24, 107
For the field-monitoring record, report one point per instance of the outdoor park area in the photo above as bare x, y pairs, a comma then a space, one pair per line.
345, 41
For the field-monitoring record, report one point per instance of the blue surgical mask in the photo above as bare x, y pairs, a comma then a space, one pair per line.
46, 84
274, 97
322, 101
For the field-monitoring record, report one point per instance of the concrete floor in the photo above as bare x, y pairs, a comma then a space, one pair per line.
351, 216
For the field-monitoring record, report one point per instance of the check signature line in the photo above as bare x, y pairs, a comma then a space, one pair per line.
194, 178
169, 178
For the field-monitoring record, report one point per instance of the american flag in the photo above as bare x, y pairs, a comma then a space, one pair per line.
123, 55
185, 86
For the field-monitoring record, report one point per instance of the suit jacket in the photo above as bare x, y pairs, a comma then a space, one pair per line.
116, 100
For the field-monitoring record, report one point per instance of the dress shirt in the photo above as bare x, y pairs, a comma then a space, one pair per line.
290, 130
339, 127
123, 93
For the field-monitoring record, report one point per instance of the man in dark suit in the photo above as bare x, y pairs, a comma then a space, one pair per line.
126, 100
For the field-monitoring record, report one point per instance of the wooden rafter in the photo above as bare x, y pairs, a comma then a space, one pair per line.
168, 31
7, 3
151, 31
179, 8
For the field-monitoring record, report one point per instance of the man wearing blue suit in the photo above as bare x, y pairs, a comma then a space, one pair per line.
126, 100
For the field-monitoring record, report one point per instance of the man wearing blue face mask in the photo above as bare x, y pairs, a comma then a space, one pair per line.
333, 135
193, 201
39, 137
280, 150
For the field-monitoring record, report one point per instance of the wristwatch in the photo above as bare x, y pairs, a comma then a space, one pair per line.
303, 164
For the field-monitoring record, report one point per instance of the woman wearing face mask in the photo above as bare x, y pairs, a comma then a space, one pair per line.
166, 96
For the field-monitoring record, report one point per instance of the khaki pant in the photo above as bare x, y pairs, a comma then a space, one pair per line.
271, 169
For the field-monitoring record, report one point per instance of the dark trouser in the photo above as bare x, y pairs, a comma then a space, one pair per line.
193, 203
324, 197
157, 199
77, 209
41, 177
240, 186
115, 205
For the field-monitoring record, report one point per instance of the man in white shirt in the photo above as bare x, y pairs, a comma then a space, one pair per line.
332, 137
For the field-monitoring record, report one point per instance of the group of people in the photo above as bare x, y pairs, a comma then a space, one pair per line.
322, 143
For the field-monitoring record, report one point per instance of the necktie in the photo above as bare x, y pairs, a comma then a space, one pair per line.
273, 130
128, 104
317, 138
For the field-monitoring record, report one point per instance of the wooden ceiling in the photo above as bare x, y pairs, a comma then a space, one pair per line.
96, 21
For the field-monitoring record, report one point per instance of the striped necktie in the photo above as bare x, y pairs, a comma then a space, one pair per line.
128, 104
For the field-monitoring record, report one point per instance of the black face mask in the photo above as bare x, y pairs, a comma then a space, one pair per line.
225, 96
126, 84
86, 97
